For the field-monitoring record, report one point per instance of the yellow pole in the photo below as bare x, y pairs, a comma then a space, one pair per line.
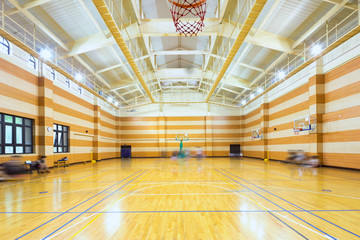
92, 157
267, 156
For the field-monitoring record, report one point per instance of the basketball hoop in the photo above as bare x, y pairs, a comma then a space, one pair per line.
297, 131
188, 16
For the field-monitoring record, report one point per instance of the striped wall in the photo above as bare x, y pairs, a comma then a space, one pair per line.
333, 97
92, 125
154, 136
328, 89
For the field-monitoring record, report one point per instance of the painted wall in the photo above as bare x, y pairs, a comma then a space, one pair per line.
151, 129
92, 122
328, 90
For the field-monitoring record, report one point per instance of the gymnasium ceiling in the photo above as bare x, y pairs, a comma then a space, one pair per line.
177, 68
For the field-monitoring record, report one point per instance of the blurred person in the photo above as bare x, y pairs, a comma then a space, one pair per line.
14, 168
43, 167
199, 153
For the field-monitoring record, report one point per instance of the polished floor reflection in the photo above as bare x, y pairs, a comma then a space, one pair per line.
212, 198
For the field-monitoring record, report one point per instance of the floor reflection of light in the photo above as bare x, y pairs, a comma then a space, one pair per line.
113, 220
253, 224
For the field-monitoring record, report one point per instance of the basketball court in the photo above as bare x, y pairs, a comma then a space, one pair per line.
179, 119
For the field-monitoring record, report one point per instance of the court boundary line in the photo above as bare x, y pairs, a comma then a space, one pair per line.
193, 211
74, 207
295, 205
323, 232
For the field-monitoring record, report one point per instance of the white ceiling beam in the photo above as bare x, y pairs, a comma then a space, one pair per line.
136, 10
164, 27
38, 24
179, 87
27, 6
122, 98
231, 80
347, 5
131, 91
179, 52
179, 60
165, 73
109, 68
146, 40
212, 40
271, 41
102, 39
179, 79
222, 7
229, 90
241, 64
90, 43
119, 65
55, 38
123, 86
320, 22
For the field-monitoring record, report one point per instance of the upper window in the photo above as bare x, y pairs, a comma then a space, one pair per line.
32, 61
52, 74
5, 45
67, 81
16, 134
61, 138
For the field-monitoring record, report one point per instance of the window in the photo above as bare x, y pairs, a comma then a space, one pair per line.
61, 138
5, 45
32, 61
16, 134
53, 74
67, 81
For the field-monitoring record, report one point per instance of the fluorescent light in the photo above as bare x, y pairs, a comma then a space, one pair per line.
281, 75
116, 103
260, 90
110, 99
252, 96
316, 49
78, 77
243, 102
46, 54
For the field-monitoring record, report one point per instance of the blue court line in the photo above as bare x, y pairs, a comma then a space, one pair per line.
295, 205
92, 206
193, 211
278, 206
287, 225
75, 206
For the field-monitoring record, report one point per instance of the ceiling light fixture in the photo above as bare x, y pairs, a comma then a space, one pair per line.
316, 49
46, 54
78, 77
281, 75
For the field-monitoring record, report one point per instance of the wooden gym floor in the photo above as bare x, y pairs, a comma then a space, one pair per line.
214, 198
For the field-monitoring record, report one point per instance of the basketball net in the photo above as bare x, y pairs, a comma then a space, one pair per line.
297, 131
188, 16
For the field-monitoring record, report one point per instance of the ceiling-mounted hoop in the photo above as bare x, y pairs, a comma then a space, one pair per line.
188, 16
187, 5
